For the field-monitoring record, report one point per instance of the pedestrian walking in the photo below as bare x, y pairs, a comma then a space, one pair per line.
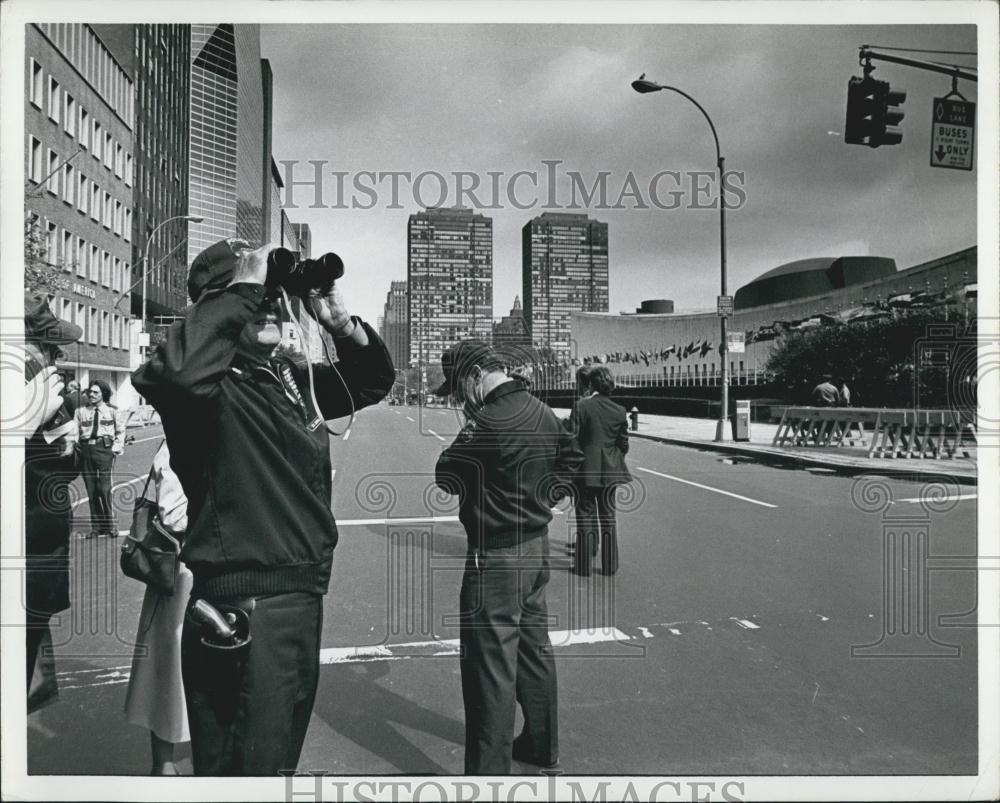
49, 467
247, 439
506, 466
155, 697
102, 439
601, 428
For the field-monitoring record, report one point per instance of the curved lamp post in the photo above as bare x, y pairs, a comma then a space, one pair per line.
145, 266
642, 86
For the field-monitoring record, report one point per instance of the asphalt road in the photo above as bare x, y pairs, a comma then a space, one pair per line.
732, 640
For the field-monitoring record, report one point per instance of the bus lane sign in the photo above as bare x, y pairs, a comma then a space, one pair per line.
953, 127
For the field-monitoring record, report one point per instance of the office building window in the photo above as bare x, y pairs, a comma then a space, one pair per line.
69, 115
53, 99
127, 226
37, 84
106, 217
66, 251
35, 160
128, 169
105, 328
105, 268
51, 243
81, 193
96, 140
95, 201
94, 266
83, 129
116, 332
118, 218
83, 258
119, 160
68, 184
116, 276
92, 335
52, 177
109, 150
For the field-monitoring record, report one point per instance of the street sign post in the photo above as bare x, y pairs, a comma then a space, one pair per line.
725, 305
953, 128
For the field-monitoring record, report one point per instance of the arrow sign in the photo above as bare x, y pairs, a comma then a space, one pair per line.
953, 128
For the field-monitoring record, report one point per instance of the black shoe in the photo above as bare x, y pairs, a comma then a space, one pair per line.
521, 753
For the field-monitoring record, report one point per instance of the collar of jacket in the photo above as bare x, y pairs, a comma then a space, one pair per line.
504, 389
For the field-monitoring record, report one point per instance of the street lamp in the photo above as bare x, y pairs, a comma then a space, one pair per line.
145, 267
642, 86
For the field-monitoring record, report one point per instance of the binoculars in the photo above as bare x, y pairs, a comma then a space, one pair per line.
301, 277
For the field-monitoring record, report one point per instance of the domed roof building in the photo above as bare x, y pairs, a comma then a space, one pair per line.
811, 277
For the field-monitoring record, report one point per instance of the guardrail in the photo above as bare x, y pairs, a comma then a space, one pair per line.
922, 433
895, 433
824, 426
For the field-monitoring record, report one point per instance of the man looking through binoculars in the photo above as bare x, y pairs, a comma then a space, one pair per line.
246, 433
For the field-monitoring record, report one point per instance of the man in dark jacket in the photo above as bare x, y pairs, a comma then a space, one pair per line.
601, 427
510, 463
50, 434
248, 442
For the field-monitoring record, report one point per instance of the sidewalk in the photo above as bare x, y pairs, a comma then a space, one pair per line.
699, 433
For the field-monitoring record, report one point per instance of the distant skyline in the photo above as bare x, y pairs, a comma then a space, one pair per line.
506, 98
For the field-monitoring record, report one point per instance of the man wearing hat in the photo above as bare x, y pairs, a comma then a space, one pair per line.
509, 465
247, 439
49, 467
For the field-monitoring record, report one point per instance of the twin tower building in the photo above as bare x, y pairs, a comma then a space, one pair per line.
448, 294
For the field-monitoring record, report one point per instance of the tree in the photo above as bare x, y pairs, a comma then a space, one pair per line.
917, 357
40, 276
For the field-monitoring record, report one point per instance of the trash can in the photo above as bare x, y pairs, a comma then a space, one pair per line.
741, 420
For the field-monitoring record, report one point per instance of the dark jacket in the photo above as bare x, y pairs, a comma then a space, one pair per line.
601, 427
47, 514
508, 467
252, 457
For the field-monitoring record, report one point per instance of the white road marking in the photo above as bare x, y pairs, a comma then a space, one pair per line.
746, 624
645, 632
435, 434
150, 438
347, 433
936, 500
410, 420
447, 647
823, 618
674, 630
414, 520
707, 488
113, 489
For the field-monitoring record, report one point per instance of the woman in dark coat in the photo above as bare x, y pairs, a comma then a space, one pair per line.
601, 427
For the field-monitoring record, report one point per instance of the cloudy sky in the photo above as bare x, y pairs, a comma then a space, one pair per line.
503, 98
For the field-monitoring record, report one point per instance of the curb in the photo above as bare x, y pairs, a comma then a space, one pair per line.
802, 460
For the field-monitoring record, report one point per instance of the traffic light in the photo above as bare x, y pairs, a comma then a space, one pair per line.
861, 102
889, 115
872, 112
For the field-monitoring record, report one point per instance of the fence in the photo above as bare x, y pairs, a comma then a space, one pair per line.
895, 433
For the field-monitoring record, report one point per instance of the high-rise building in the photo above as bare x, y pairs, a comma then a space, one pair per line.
79, 119
394, 328
229, 166
162, 55
450, 279
564, 270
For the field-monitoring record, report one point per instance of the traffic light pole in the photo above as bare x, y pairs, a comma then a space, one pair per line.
871, 55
